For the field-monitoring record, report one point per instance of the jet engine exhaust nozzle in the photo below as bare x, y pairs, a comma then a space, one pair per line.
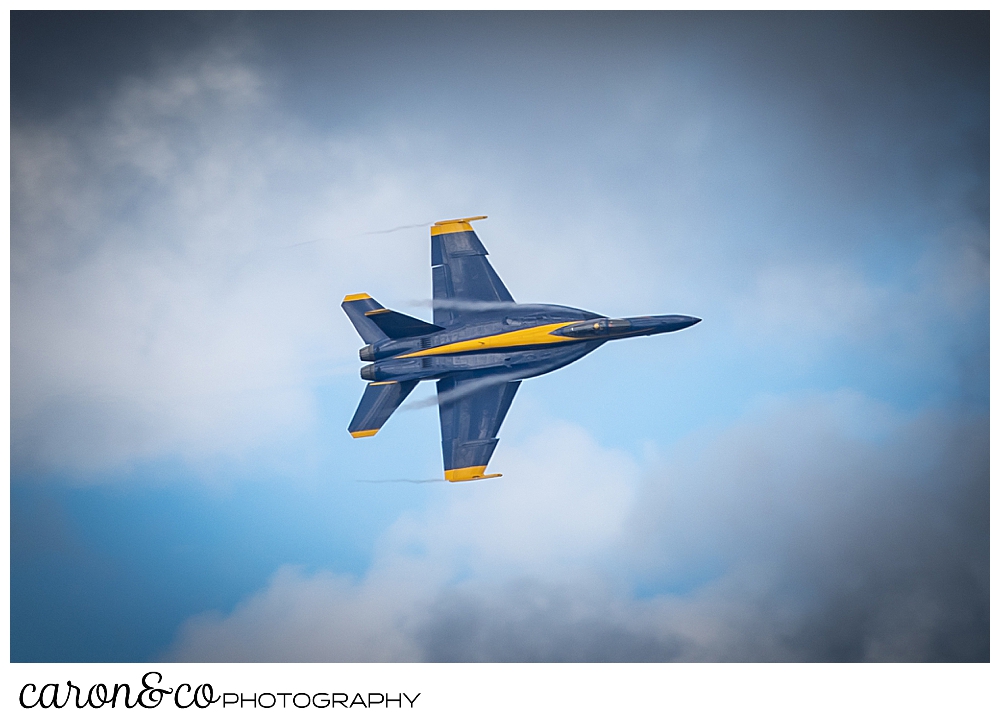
368, 372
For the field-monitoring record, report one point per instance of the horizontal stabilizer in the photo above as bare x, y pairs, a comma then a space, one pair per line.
378, 403
399, 326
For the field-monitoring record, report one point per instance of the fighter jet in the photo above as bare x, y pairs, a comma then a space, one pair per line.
479, 348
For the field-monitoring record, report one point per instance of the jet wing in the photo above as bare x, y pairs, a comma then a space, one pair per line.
464, 281
472, 411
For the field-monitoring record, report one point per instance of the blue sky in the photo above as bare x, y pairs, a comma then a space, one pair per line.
803, 476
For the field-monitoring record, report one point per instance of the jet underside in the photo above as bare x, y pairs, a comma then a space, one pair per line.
479, 348
510, 360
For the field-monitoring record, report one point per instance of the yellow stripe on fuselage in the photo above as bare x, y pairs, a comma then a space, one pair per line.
521, 337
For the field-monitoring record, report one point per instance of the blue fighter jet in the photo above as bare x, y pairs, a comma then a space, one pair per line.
479, 348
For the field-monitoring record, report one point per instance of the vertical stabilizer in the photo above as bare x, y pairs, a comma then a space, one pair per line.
355, 306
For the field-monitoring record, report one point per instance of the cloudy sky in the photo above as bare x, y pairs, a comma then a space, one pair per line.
801, 477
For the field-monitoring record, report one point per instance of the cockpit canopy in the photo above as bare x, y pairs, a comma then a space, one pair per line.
594, 328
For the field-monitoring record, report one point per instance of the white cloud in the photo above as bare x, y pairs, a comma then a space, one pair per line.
156, 308
803, 310
298, 618
790, 536
158, 311
562, 501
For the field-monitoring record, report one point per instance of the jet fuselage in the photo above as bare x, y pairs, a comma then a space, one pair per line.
513, 341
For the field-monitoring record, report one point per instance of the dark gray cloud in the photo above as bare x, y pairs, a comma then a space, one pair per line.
789, 537
883, 563
530, 621
908, 578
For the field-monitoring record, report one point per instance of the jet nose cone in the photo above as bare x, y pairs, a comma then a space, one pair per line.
675, 322
640, 325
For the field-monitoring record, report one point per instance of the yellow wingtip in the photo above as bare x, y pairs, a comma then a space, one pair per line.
466, 474
356, 297
364, 433
454, 225
460, 220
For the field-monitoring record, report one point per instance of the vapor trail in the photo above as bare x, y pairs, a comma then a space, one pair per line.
359, 235
460, 305
463, 391
403, 479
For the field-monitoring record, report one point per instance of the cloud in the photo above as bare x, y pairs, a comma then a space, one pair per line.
179, 252
179, 248
303, 619
181, 244
156, 308
797, 534
836, 300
